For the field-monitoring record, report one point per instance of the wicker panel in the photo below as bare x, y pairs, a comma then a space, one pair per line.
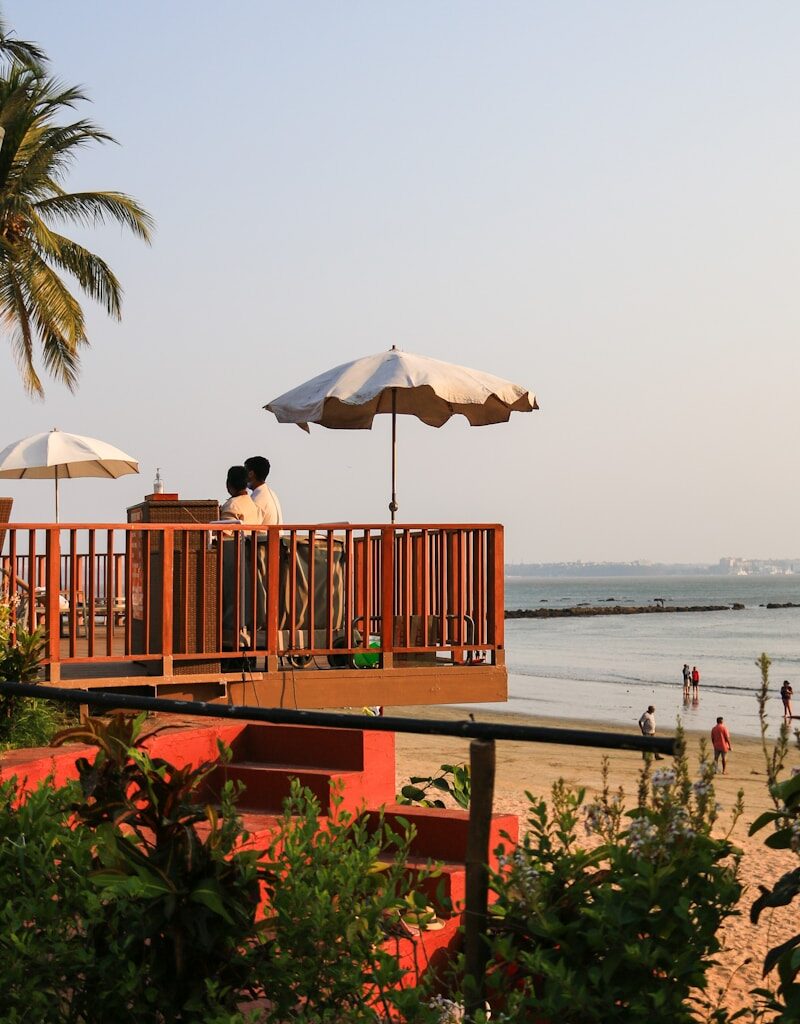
194, 630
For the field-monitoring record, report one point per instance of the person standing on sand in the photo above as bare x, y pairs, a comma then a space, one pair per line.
721, 742
786, 697
647, 723
687, 678
695, 682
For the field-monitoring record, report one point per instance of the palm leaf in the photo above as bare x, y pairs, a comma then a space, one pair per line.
37, 308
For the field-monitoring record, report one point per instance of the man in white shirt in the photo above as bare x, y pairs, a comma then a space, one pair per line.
647, 723
265, 498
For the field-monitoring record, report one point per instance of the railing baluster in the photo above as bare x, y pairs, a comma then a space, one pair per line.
91, 595
52, 594
167, 561
110, 591
387, 596
273, 595
495, 617
312, 593
128, 585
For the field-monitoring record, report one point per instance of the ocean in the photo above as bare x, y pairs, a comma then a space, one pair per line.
609, 668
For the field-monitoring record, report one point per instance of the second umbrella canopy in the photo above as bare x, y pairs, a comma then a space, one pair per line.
57, 455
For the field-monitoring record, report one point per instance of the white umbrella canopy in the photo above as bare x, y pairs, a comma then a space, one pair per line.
348, 397
57, 455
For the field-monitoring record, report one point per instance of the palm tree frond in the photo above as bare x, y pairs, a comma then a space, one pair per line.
93, 208
19, 50
93, 274
37, 307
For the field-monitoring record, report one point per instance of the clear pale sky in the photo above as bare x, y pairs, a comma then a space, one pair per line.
599, 201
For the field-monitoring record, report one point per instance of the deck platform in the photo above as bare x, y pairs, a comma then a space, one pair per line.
319, 616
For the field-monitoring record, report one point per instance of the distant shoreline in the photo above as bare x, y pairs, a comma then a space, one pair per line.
579, 611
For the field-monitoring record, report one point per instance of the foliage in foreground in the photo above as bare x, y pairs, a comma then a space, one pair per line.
624, 931
785, 835
452, 780
147, 911
340, 904
127, 896
24, 722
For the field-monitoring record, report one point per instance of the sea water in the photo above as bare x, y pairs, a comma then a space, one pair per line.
609, 668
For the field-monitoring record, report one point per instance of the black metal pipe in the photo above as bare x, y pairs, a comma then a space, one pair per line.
283, 716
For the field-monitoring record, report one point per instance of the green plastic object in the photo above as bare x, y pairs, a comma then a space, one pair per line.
365, 660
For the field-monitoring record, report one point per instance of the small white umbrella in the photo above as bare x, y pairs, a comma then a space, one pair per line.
57, 455
349, 396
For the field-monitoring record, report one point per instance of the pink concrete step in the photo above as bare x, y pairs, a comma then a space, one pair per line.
441, 834
268, 785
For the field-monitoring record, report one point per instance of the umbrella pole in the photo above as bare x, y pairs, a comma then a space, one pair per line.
393, 502
57, 519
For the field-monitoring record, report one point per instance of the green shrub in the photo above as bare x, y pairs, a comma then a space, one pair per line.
338, 892
179, 895
783, 1004
623, 931
452, 780
24, 721
47, 908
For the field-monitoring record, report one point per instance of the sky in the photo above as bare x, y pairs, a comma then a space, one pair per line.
598, 201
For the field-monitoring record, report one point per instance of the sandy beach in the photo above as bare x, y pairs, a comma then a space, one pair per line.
534, 767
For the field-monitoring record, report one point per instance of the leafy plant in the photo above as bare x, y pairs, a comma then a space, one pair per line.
47, 909
785, 822
24, 721
340, 901
179, 893
623, 931
452, 780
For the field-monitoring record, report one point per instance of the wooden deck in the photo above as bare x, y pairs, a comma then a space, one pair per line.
301, 616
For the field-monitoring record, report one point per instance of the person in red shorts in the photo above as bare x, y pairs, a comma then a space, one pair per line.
721, 742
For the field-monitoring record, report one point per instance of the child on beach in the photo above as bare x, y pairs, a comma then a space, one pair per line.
687, 678
786, 697
695, 683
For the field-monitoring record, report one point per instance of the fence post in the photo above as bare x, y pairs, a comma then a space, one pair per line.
52, 607
496, 596
167, 601
272, 635
481, 762
387, 596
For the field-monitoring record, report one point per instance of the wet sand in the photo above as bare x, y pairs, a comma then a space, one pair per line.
534, 767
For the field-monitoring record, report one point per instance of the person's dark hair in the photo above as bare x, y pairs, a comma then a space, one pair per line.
259, 466
237, 478
719, 719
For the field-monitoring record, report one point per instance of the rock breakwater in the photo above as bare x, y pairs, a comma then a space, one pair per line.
578, 611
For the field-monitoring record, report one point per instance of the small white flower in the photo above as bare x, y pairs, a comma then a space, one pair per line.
663, 778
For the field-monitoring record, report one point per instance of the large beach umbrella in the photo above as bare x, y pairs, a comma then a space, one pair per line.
349, 396
57, 455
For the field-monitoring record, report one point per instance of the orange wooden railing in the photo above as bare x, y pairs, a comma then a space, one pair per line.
194, 594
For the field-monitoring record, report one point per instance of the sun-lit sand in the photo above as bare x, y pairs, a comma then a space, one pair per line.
534, 767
